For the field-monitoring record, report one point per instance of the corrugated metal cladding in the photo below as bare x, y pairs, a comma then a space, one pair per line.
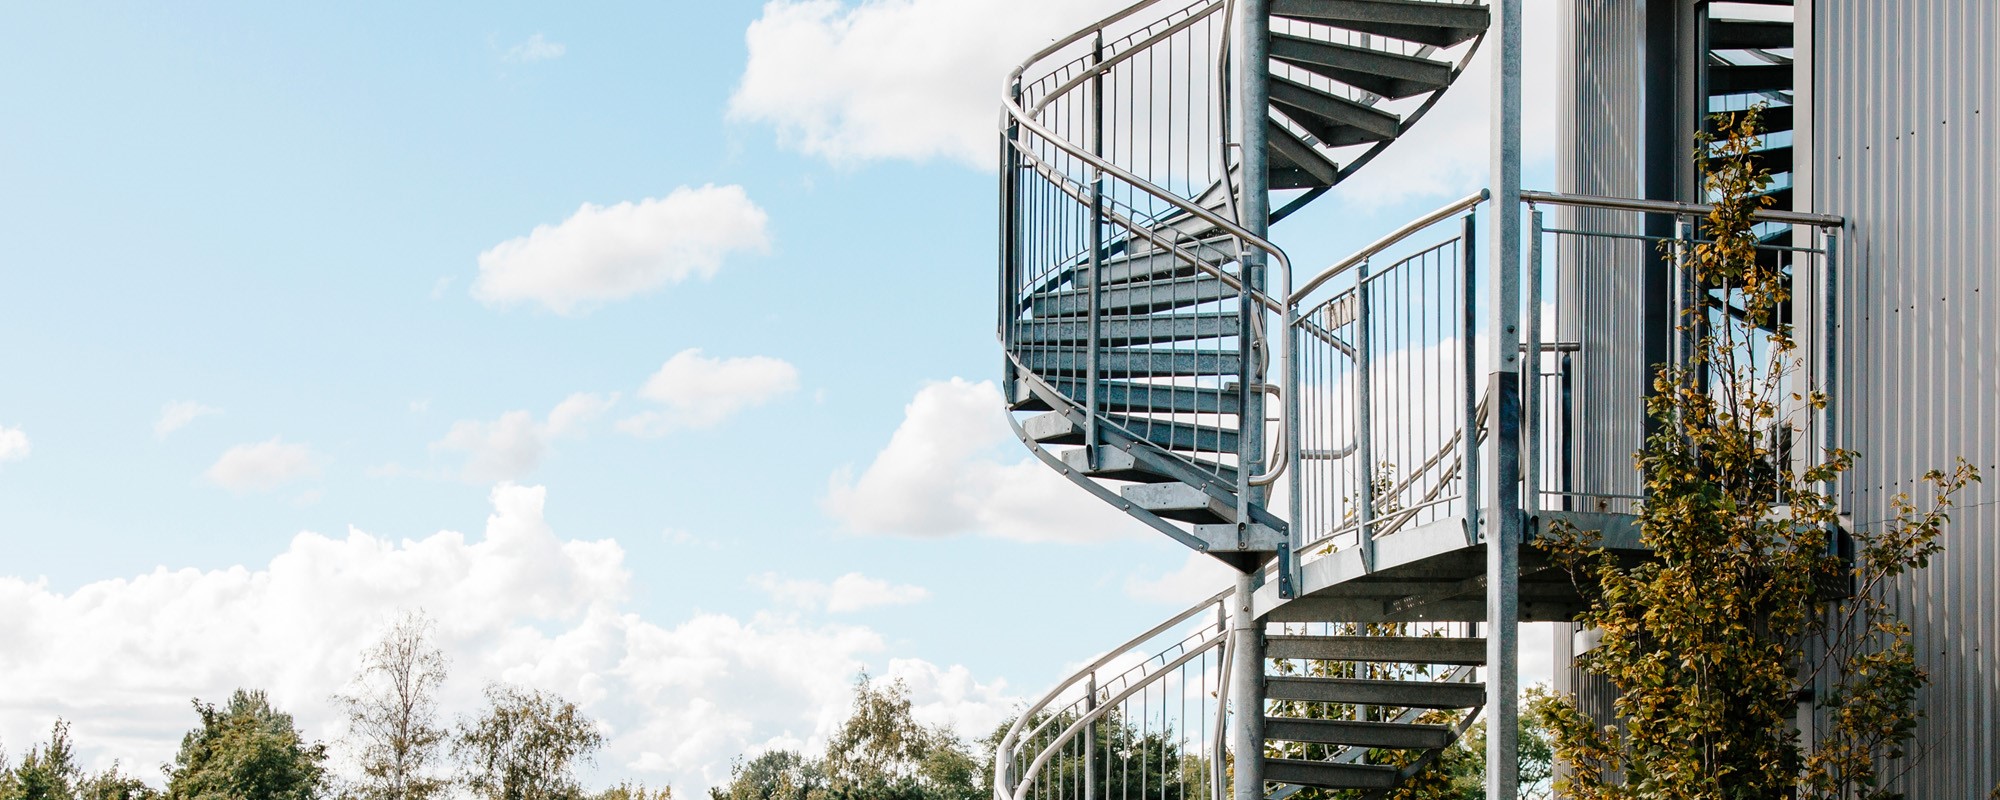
1604, 121
1907, 147
1904, 143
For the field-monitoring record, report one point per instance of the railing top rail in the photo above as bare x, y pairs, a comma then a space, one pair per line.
1014, 731
1387, 242
1106, 65
1671, 207
1078, 36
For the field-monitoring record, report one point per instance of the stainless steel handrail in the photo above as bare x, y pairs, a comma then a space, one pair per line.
1104, 66
1671, 207
1387, 242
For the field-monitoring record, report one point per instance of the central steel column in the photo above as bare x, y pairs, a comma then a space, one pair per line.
1501, 485
1250, 96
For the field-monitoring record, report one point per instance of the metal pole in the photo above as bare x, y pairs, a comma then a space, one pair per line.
1686, 304
1091, 374
1468, 378
1249, 103
1531, 375
1090, 740
1364, 417
1503, 488
1829, 352
1246, 692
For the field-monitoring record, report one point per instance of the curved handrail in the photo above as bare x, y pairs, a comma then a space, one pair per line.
1007, 743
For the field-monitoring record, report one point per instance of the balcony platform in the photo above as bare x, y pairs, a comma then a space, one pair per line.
1431, 573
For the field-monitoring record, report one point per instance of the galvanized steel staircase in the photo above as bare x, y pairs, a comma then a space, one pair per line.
1134, 313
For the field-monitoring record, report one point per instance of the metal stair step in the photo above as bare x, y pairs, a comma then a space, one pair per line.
1328, 775
1180, 435
1728, 79
1334, 120
1380, 649
1126, 329
1119, 465
1154, 397
1360, 691
1056, 427
1138, 298
1295, 163
1135, 362
1773, 118
1438, 24
1182, 502
1388, 74
1153, 263
1749, 34
1386, 735
1776, 159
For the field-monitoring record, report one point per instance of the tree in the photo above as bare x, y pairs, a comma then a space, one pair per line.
526, 746
47, 772
775, 775
636, 791
883, 753
1709, 640
50, 772
392, 714
246, 751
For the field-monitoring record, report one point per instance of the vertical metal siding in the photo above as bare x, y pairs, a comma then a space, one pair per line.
1603, 120
1907, 148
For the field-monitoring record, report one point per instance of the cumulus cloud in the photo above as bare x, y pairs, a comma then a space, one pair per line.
696, 391
263, 466
943, 472
175, 416
535, 49
894, 79
847, 593
517, 603
14, 444
605, 253
515, 444
1197, 578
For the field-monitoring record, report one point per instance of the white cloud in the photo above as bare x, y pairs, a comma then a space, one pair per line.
515, 444
175, 416
534, 49
701, 392
519, 603
262, 466
14, 444
604, 253
1197, 578
847, 593
943, 473
894, 79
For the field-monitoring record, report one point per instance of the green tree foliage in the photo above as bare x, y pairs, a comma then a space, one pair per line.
526, 746
883, 753
776, 775
50, 772
1710, 640
393, 727
635, 791
246, 751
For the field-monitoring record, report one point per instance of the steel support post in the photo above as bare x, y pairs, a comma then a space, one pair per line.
1502, 478
1250, 92
1468, 377
1246, 692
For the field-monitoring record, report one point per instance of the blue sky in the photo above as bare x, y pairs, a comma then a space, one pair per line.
276, 218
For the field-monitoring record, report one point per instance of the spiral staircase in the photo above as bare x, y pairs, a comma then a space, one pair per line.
1136, 314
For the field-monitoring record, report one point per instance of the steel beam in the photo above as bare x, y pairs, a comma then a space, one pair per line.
1250, 100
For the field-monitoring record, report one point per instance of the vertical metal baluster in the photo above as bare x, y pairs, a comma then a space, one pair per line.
1531, 374
1364, 412
1091, 433
1468, 388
